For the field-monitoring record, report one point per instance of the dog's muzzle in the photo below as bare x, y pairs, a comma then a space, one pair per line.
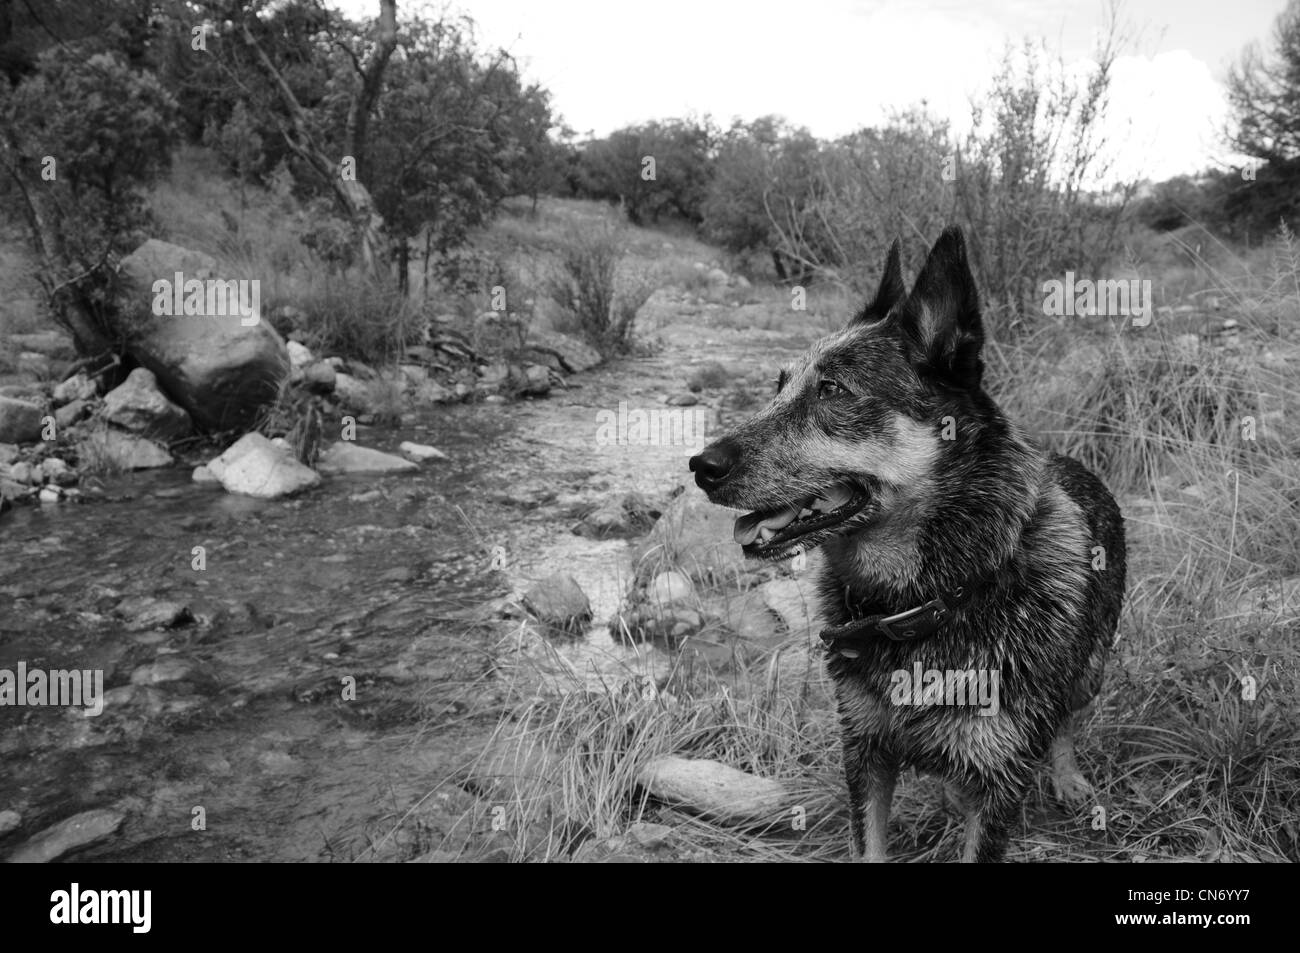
713, 465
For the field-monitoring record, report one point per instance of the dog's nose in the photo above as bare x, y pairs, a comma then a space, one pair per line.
713, 465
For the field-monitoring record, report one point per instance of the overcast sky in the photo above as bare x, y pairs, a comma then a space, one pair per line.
837, 65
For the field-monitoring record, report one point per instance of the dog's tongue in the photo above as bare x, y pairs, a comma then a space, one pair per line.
749, 525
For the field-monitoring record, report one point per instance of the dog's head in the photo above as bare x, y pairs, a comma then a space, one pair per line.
854, 427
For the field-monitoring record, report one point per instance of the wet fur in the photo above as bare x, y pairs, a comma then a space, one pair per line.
989, 502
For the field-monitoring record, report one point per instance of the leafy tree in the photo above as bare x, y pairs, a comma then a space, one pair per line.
79, 139
1264, 94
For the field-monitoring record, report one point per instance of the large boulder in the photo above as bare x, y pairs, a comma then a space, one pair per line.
20, 421
221, 370
253, 466
138, 406
572, 355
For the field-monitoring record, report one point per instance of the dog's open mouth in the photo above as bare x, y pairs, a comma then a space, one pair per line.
770, 534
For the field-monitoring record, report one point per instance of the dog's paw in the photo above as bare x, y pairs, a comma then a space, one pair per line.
1071, 787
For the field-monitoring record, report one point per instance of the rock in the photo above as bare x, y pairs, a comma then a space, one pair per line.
49, 494
76, 833
138, 406
414, 374
203, 475
420, 452
740, 281
493, 377
299, 354
697, 537
431, 392
125, 451
347, 457
70, 413
536, 381
20, 421
669, 587
682, 400
169, 669
144, 612
618, 519
21, 472
252, 466
559, 601
320, 378
716, 276
574, 355
52, 343
9, 821
8, 452
13, 490
649, 836
715, 790
57, 471
220, 370
353, 394
34, 364
76, 387
795, 601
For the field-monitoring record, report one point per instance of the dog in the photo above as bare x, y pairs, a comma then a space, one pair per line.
958, 554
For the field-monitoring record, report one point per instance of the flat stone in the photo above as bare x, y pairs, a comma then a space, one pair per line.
421, 452
76, 833
347, 457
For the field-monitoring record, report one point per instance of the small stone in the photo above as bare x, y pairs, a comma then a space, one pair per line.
9, 821
558, 600
682, 400
70, 413
170, 669
650, 836
669, 587
49, 494
299, 354
77, 387
421, 452
203, 475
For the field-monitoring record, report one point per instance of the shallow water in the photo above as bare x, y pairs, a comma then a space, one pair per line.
376, 579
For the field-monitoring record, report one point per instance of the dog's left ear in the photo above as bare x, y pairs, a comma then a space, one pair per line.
891, 290
940, 320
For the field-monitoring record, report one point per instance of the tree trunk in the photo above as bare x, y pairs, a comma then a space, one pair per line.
353, 195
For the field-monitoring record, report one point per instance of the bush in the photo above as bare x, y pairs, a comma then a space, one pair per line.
370, 321
599, 299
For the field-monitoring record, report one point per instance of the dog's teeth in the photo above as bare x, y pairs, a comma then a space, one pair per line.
805, 513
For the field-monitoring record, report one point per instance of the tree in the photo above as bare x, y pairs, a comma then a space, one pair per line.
79, 138
1264, 94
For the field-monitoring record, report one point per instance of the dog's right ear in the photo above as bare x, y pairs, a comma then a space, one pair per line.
940, 320
891, 290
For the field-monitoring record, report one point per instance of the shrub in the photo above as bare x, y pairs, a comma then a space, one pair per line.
599, 299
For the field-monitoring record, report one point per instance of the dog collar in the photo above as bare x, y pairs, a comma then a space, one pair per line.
911, 625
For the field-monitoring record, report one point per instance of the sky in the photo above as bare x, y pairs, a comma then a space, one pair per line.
837, 65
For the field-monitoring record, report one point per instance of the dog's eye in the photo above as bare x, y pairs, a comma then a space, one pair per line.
829, 388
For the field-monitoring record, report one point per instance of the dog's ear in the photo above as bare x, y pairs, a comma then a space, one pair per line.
940, 320
891, 290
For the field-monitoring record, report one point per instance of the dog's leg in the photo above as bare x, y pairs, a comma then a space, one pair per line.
880, 794
989, 820
1068, 783
871, 779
